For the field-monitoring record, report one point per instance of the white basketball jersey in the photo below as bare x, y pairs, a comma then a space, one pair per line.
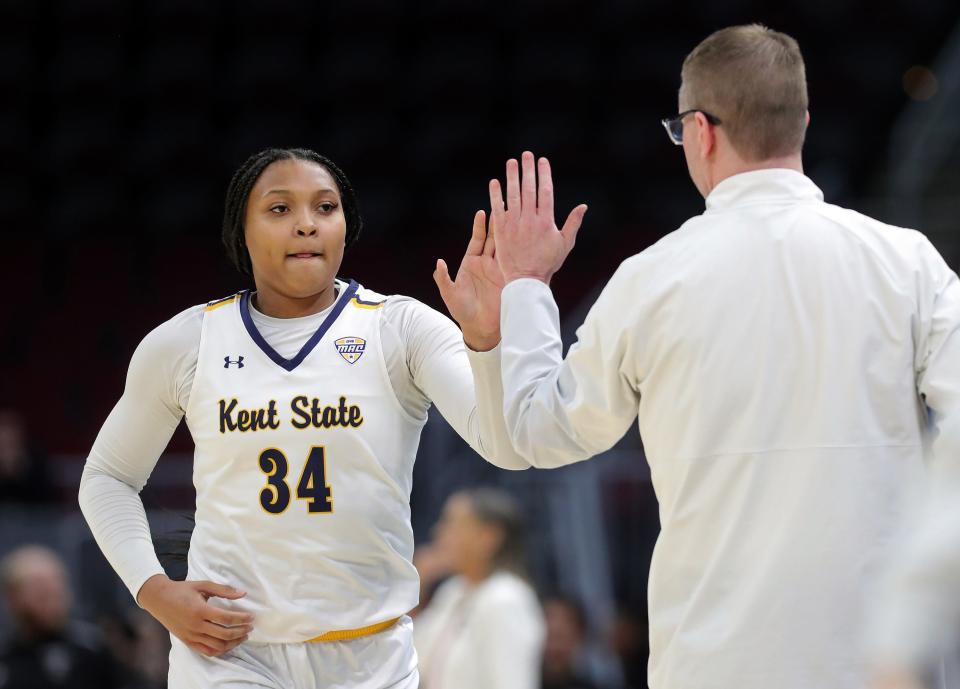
303, 470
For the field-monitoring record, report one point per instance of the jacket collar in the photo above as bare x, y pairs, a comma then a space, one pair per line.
763, 186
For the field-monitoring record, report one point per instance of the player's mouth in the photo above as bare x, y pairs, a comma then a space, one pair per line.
305, 255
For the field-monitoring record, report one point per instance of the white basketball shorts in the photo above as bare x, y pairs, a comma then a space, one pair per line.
386, 660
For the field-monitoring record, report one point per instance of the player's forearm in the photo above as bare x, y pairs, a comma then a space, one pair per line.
115, 514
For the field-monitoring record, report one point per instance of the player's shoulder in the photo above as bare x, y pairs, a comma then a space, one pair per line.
399, 309
219, 303
368, 299
181, 333
176, 333
172, 346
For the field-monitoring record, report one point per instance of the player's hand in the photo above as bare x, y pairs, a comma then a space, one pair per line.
182, 607
529, 245
473, 299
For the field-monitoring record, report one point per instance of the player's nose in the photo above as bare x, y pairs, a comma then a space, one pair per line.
305, 229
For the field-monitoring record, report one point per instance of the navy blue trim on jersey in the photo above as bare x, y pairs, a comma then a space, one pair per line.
290, 364
369, 303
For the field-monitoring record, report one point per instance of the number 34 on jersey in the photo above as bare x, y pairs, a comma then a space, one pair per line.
312, 486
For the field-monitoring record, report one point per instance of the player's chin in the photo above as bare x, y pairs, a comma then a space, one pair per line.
306, 280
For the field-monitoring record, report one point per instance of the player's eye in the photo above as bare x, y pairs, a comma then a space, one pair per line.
327, 207
279, 208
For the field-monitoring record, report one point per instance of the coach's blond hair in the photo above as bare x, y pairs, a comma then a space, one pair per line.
754, 80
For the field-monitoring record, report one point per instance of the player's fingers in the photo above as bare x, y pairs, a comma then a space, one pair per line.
478, 235
488, 231
202, 649
210, 588
528, 184
496, 198
233, 644
225, 633
442, 277
497, 213
513, 186
226, 618
572, 225
544, 188
211, 642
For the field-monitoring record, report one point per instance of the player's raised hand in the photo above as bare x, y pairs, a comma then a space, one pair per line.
182, 607
473, 299
529, 245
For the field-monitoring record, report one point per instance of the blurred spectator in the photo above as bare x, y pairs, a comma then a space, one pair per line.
483, 628
23, 474
562, 654
141, 645
631, 642
47, 648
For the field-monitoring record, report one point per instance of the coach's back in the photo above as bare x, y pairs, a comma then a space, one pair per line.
775, 354
783, 355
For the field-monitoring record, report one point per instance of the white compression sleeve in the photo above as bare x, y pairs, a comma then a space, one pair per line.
464, 386
131, 441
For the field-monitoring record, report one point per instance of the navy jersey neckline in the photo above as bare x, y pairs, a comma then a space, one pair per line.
290, 364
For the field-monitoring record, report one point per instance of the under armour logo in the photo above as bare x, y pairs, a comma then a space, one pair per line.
227, 363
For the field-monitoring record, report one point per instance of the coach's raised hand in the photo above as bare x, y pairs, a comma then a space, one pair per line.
473, 300
529, 245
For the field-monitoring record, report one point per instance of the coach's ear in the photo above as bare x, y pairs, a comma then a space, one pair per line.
706, 135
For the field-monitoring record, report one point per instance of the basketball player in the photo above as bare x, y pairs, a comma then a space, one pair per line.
305, 398
786, 358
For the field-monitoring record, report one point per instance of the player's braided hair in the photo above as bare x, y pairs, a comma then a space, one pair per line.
246, 176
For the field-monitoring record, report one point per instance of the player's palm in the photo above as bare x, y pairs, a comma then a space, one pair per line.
473, 299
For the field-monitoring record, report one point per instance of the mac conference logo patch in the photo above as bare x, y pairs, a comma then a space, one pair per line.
350, 348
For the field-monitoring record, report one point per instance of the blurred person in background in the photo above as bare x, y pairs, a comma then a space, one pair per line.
785, 356
565, 644
23, 471
629, 638
483, 628
141, 645
48, 649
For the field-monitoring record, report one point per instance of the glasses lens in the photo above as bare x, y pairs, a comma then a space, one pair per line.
676, 131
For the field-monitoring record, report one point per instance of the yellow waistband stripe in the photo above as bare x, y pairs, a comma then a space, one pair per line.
348, 634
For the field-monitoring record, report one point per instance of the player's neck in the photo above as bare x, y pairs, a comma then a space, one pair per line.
277, 305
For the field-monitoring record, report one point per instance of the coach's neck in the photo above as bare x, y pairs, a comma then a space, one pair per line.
712, 158
728, 163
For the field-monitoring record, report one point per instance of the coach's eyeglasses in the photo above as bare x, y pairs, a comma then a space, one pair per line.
674, 125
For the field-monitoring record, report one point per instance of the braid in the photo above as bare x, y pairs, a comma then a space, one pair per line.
246, 176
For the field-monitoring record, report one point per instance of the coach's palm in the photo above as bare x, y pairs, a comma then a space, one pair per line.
473, 299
